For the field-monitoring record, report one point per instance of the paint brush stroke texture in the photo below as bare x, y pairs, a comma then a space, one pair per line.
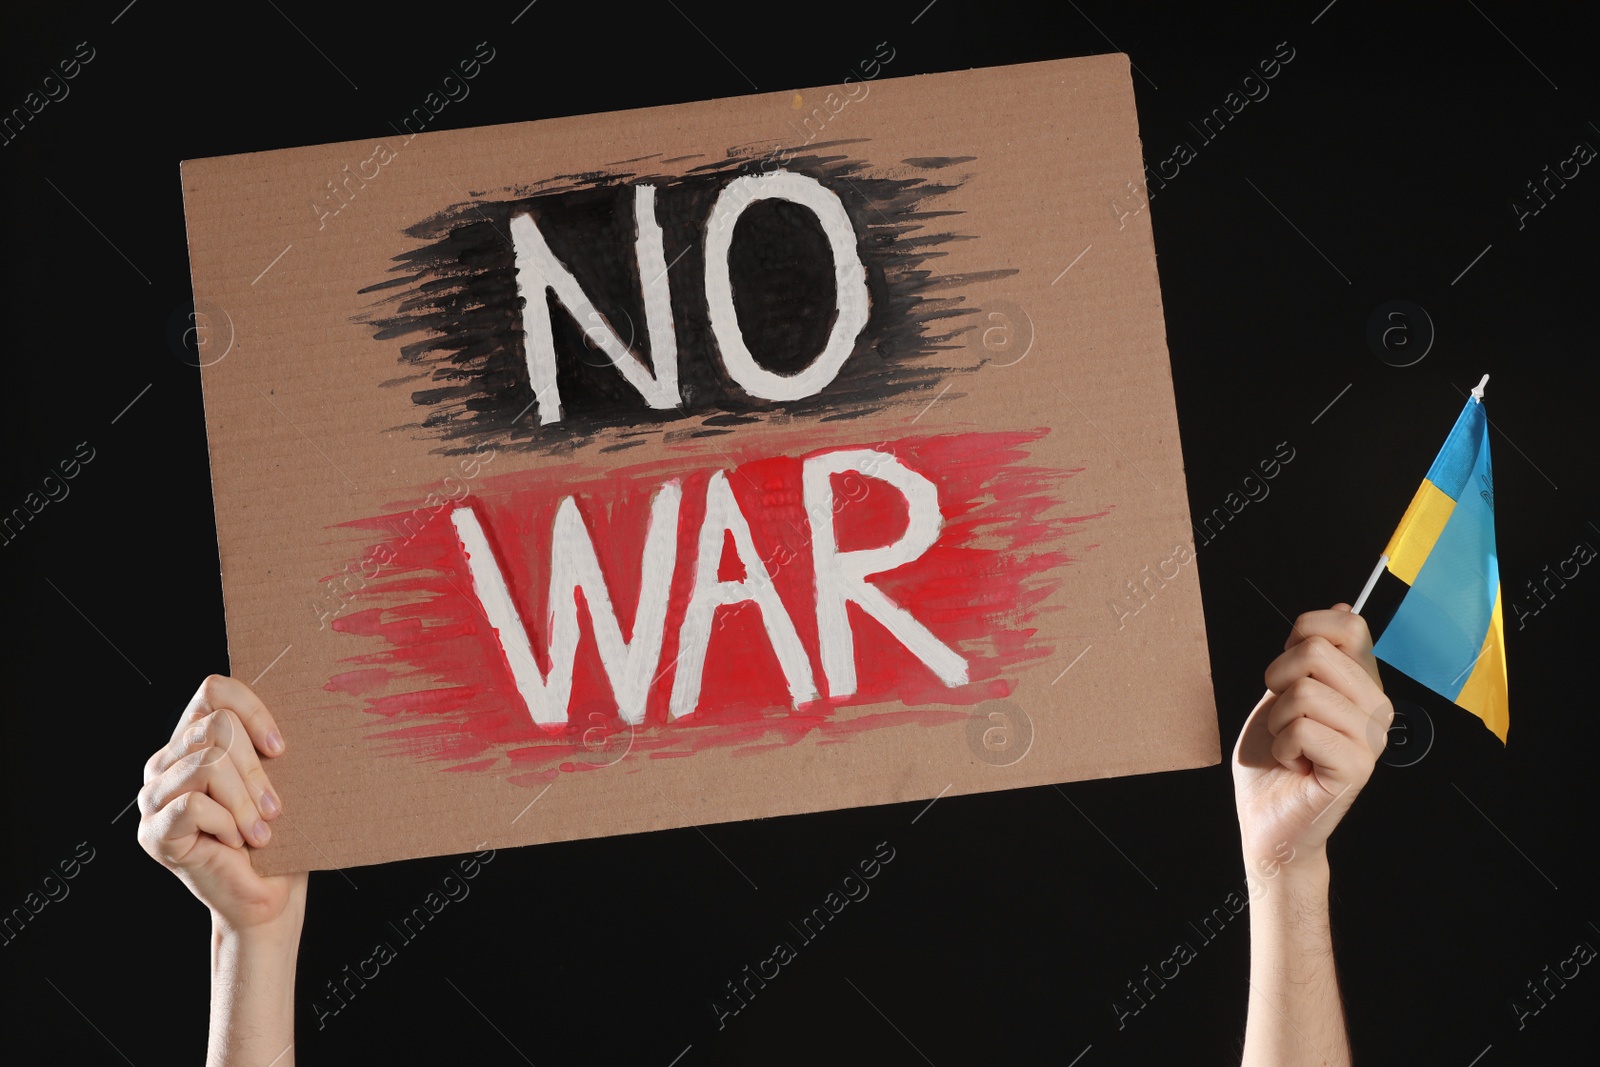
438, 680
637, 246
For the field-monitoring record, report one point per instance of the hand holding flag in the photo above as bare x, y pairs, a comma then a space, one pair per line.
1310, 744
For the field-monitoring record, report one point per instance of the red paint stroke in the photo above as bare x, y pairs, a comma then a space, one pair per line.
439, 681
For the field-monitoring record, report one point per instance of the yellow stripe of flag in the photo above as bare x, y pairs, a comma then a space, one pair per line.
1484, 693
1418, 530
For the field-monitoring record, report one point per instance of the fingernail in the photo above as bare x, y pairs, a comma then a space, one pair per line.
274, 742
269, 804
261, 832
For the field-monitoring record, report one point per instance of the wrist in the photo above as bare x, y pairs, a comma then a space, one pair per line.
264, 942
272, 938
1307, 870
270, 918
1299, 877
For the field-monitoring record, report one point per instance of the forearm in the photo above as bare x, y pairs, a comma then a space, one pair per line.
1295, 1015
252, 997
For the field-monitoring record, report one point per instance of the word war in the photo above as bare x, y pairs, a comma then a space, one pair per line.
631, 665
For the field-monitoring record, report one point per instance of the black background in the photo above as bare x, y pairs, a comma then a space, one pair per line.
1395, 141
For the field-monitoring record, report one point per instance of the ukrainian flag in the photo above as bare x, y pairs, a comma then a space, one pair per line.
1447, 633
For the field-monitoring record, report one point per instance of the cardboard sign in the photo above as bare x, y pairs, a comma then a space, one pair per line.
674, 466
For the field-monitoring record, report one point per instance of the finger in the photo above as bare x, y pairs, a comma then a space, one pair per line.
1254, 746
170, 834
1339, 763
221, 736
218, 692
1340, 627
214, 730
1309, 698
217, 778
1319, 658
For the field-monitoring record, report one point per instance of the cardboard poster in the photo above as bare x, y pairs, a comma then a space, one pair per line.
718, 461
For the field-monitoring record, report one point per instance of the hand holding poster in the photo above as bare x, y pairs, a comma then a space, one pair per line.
700, 463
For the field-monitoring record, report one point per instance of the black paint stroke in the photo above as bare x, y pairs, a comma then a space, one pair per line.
453, 303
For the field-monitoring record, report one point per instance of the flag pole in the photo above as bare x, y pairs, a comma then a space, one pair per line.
1372, 580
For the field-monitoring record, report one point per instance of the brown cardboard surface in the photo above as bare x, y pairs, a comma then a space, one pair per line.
367, 361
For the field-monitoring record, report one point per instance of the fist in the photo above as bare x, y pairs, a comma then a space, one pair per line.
207, 796
1310, 745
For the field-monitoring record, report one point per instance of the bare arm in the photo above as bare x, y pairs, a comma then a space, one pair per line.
205, 798
1305, 752
252, 990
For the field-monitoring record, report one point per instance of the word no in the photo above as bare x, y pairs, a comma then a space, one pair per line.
538, 270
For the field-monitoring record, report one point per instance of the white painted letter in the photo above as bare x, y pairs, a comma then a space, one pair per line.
849, 283
842, 576
538, 269
723, 517
629, 665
